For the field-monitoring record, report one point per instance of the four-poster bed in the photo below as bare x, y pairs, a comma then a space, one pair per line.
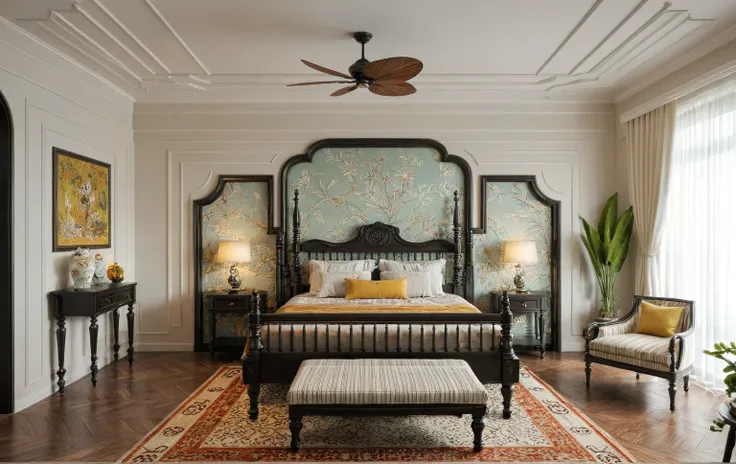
446, 327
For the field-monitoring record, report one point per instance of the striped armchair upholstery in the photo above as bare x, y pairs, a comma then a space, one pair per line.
617, 344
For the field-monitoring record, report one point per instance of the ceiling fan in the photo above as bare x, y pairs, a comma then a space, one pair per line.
386, 77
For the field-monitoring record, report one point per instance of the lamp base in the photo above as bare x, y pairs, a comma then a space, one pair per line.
520, 280
234, 280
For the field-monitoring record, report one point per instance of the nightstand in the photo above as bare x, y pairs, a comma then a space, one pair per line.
229, 303
529, 304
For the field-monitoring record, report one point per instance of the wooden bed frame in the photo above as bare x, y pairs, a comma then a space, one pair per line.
269, 364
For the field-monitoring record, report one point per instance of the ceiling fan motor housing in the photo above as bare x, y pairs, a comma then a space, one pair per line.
356, 70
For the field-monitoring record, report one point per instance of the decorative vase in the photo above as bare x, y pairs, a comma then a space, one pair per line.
115, 273
100, 276
82, 268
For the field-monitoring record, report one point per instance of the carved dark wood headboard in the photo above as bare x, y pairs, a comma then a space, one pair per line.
374, 241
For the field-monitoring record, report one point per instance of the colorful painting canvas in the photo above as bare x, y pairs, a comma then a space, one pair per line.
82, 199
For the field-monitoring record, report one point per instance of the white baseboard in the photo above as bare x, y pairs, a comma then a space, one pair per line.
163, 347
573, 345
79, 373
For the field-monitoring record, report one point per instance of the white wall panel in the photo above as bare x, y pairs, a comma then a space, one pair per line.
180, 150
56, 104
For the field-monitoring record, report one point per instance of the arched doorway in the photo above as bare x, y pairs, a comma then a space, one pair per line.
6, 257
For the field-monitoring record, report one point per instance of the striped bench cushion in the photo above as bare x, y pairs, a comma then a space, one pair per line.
386, 381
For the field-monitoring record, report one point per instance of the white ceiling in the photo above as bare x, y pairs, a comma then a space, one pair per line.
473, 50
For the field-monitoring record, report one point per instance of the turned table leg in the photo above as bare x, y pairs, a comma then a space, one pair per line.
116, 332
131, 328
93, 331
730, 442
60, 342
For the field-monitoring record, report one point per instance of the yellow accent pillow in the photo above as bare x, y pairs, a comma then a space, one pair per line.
661, 321
370, 289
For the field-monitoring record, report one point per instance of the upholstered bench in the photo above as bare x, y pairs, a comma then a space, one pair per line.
386, 387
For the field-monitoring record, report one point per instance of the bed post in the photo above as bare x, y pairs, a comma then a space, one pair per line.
280, 267
296, 272
510, 363
469, 275
254, 355
456, 241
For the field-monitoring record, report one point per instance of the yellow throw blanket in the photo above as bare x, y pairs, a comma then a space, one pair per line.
352, 308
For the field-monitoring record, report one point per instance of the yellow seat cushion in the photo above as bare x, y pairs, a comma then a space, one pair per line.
371, 289
659, 320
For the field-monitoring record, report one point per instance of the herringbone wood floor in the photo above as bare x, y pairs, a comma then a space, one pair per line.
87, 424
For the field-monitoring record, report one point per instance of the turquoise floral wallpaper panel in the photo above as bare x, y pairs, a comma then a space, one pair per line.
240, 213
513, 212
343, 188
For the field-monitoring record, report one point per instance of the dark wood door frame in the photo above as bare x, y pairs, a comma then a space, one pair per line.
6, 257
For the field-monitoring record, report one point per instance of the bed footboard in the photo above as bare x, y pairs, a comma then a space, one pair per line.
278, 343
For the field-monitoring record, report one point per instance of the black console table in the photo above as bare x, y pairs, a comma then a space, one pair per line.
92, 302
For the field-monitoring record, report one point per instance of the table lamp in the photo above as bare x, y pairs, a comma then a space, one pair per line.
520, 254
234, 253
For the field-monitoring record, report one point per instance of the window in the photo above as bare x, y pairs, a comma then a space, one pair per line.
698, 249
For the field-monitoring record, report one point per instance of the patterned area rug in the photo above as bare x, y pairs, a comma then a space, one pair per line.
213, 425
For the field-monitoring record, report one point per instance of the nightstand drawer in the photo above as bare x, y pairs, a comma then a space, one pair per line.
242, 304
524, 304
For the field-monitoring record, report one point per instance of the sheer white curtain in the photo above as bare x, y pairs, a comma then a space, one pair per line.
697, 258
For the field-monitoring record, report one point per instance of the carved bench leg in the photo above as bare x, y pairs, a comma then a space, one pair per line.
295, 426
478, 425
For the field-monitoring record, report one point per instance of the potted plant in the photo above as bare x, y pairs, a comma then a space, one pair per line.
720, 350
608, 246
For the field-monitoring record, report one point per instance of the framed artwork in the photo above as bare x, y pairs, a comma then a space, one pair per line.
82, 199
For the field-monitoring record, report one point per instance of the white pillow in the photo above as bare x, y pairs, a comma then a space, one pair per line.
315, 267
417, 283
435, 268
334, 285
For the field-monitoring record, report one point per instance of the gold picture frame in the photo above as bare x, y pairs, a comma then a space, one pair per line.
82, 197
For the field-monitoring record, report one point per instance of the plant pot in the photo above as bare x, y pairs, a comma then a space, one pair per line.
604, 319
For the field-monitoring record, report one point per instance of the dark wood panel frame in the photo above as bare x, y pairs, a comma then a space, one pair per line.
197, 207
55, 219
554, 245
6, 258
284, 242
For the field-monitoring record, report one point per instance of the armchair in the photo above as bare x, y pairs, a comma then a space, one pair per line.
616, 343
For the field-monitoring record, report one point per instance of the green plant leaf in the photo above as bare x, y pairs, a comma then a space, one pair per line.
594, 259
619, 247
607, 222
729, 368
595, 241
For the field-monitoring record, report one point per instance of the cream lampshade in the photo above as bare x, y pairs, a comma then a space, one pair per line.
520, 253
233, 252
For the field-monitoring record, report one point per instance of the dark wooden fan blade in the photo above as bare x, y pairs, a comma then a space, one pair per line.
398, 89
326, 70
343, 90
399, 68
319, 82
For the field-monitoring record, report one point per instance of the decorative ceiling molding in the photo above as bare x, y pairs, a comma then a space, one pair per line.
101, 36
